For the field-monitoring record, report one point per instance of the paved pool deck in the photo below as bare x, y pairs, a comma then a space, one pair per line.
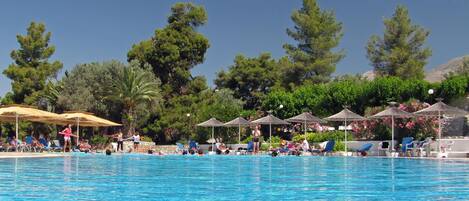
31, 155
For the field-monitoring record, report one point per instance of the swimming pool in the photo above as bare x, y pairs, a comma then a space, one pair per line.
144, 177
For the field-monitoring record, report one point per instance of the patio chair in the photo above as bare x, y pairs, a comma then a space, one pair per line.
423, 147
383, 146
193, 145
29, 144
250, 147
364, 149
327, 149
407, 145
56, 145
180, 147
45, 144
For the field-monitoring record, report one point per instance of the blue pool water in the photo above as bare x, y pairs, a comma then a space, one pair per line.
144, 177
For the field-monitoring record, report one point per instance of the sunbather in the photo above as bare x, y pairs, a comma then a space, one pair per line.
84, 146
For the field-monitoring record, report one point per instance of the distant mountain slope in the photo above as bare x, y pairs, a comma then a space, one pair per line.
437, 74
434, 75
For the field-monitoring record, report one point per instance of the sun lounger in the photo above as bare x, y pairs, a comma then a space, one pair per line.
180, 147
56, 146
407, 144
328, 149
250, 148
364, 148
193, 145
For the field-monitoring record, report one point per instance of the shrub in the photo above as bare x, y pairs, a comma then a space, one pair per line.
100, 140
325, 136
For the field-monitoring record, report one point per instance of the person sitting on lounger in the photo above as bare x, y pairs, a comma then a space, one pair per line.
84, 146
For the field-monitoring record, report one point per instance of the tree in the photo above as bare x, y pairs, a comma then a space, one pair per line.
400, 52
134, 87
85, 88
250, 78
173, 123
174, 50
31, 68
317, 33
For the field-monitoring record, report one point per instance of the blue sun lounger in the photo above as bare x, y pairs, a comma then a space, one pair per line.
193, 145
250, 147
407, 144
328, 149
364, 148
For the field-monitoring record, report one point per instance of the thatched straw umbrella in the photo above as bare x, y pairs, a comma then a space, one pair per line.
270, 120
439, 109
213, 122
392, 112
345, 115
305, 118
238, 122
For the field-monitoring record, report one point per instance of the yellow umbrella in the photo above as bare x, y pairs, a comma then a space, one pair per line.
14, 113
84, 119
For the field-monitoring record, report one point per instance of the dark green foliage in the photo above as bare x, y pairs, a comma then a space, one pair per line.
327, 99
250, 78
85, 88
173, 123
31, 68
400, 51
317, 33
174, 50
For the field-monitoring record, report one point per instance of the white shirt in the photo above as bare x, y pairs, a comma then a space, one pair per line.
136, 138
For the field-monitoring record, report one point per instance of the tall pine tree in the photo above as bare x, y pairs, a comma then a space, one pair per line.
174, 50
400, 52
317, 33
31, 68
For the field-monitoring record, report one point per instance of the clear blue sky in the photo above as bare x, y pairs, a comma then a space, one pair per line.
88, 30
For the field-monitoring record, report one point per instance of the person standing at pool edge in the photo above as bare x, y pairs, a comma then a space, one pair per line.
67, 132
256, 133
120, 140
136, 139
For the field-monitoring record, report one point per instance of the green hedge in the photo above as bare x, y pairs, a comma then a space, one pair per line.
325, 136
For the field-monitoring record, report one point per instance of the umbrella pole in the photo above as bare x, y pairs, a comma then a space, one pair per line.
213, 131
239, 133
392, 133
345, 129
305, 129
78, 131
16, 129
270, 134
439, 131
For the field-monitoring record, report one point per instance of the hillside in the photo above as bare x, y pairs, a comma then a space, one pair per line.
435, 74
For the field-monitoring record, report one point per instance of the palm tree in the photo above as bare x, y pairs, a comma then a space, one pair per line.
133, 87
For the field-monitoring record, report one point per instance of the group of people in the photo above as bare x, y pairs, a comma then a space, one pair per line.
27, 143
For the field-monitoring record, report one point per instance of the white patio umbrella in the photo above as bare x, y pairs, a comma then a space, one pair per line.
392, 112
213, 122
270, 120
439, 109
305, 118
345, 115
239, 122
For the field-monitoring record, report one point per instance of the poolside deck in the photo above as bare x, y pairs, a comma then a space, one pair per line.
30, 155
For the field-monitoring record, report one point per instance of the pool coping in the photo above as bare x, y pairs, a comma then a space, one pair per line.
6, 155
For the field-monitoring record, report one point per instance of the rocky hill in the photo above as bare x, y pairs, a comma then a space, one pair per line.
435, 74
